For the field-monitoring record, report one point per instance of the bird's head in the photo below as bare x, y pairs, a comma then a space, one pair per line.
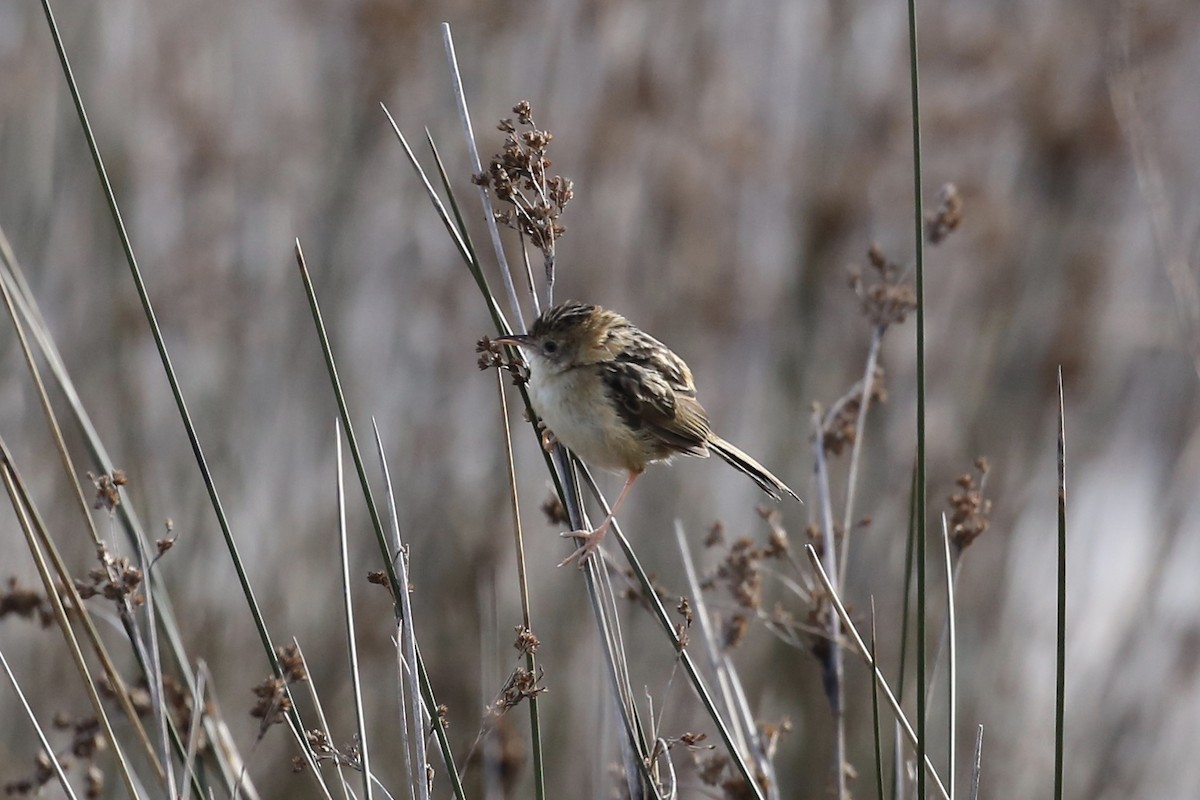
569, 335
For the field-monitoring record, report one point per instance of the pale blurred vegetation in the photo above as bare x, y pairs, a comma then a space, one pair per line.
730, 161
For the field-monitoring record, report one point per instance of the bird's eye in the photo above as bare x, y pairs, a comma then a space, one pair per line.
550, 347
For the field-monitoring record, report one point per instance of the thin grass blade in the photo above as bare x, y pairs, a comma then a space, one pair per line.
464, 114
951, 660
875, 724
863, 650
348, 609
1060, 675
535, 727
59, 772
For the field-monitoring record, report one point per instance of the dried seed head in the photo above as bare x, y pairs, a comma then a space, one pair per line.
291, 663
970, 511
841, 424
526, 643
885, 300
517, 176
555, 513
733, 631
107, 488
716, 534
740, 574
947, 217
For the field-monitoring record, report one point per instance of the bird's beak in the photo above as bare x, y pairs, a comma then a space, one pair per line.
515, 339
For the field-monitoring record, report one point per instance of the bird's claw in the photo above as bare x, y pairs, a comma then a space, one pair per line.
549, 440
591, 541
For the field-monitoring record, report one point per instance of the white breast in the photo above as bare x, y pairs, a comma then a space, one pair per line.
573, 404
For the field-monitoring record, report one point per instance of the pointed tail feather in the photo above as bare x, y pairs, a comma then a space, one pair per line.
756, 471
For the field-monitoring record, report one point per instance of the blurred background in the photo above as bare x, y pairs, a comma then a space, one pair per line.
730, 163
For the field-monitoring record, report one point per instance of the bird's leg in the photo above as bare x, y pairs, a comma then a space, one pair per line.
548, 437
591, 539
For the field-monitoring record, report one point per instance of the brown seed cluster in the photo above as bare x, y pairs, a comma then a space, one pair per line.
634, 592
25, 603
885, 299
517, 176
176, 697
521, 685
841, 424
739, 573
86, 743
108, 494
168, 541
741, 576
115, 579
684, 609
273, 701
556, 513
379, 578
716, 534
947, 217
526, 643
492, 356
324, 750
718, 771
970, 511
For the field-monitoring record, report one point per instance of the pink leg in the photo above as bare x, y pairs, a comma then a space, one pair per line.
591, 539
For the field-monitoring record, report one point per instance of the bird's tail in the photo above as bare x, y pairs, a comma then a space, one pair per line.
757, 472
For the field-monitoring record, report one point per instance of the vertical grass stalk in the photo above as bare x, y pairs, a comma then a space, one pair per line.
412, 728
875, 726
348, 608
976, 763
952, 660
1060, 687
919, 246
535, 728
41, 734
832, 669
477, 167
909, 547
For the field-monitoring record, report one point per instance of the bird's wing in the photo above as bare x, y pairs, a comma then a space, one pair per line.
653, 391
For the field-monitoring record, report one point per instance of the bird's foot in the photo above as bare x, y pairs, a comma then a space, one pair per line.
591, 541
548, 442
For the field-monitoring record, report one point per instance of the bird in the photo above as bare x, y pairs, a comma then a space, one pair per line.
620, 400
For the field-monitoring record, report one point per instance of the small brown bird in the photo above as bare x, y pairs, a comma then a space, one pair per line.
619, 399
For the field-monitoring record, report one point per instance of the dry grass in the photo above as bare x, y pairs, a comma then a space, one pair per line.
728, 168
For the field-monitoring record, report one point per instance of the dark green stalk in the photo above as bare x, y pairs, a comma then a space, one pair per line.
1060, 687
875, 726
535, 726
909, 542
348, 609
919, 230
